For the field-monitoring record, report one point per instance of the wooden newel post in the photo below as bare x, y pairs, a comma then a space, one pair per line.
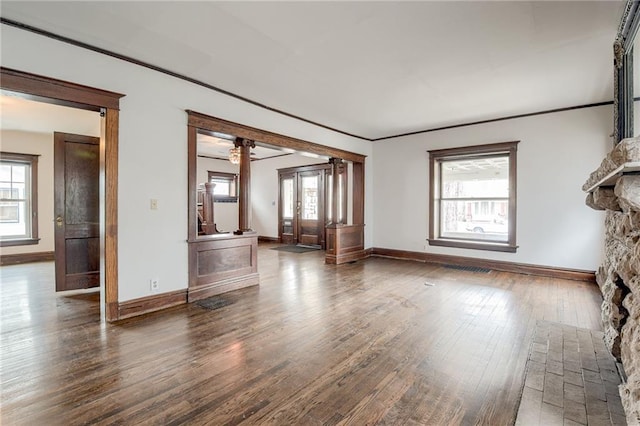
208, 221
337, 166
244, 198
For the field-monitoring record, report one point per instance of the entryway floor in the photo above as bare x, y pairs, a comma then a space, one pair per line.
571, 379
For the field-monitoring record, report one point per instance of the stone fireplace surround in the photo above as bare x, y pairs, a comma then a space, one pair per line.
615, 188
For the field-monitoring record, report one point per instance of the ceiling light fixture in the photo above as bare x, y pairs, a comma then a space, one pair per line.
234, 155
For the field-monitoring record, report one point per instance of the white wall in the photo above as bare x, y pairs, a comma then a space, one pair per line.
226, 214
264, 190
153, 150
38, 144
556, 154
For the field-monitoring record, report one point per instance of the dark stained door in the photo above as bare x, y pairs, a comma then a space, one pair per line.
310, 208
77, 211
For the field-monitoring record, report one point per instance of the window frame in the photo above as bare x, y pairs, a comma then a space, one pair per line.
31, 201
436, 157
232, 178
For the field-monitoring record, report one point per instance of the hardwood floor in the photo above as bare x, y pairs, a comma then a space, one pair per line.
379, 341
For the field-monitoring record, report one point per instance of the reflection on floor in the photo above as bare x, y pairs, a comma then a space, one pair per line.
376, 341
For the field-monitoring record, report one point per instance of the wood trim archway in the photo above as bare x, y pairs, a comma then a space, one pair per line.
214, 124
345, 243
45, 89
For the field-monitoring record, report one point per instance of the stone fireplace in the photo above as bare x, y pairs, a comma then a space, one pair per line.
615, 187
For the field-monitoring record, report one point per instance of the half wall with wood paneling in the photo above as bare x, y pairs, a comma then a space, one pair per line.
222, 263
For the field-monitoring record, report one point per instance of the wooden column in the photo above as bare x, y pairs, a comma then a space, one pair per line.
337, 166
208, 221
244, 198
358, 193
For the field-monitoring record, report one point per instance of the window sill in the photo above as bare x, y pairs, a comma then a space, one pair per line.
504, 247
225, 199
19, 242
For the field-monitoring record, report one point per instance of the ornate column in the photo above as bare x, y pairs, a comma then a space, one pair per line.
337, 167
244, 198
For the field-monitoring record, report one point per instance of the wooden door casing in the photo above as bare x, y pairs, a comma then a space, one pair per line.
77, 211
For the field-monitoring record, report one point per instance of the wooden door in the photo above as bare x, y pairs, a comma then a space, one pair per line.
288, 222
77, 211
310, 206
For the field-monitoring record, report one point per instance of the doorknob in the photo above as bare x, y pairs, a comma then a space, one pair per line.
59, 221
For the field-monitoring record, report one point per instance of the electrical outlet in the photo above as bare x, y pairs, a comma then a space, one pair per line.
155, 285
154, 204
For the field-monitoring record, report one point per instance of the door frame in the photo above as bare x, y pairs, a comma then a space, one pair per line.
50, 90
296, 173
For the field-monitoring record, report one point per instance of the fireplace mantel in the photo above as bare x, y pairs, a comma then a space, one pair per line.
610, 179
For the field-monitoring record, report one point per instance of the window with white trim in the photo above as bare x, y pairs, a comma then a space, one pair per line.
473, 197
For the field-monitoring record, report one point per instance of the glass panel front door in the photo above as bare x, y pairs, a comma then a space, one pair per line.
309, 199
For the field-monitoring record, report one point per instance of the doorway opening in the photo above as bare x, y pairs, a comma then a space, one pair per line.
56, 204
327, 221
33, 87
305, 204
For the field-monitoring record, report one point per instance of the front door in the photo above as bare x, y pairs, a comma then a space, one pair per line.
310, 207
77, 211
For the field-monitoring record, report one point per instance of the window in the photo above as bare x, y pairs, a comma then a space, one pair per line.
18, 199
473, 197
226, 189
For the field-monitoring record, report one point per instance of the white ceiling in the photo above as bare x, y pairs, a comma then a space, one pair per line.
214, 147
217, 147
39, 117
369, 68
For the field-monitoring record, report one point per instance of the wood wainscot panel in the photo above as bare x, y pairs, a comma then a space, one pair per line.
222, 263
16, 259
144, 305
345, 243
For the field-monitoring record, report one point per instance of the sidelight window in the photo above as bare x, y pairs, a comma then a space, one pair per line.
473, 197
18, 199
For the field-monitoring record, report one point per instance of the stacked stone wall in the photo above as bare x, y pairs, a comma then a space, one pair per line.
619, 275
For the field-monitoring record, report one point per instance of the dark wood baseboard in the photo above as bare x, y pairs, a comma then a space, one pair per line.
16, 259
144, 305
262, 239
497, 265
219, 287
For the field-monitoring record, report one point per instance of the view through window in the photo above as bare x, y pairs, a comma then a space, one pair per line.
473, 197
226, 189
17, 199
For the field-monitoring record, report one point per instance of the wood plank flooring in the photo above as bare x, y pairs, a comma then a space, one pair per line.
380, 341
